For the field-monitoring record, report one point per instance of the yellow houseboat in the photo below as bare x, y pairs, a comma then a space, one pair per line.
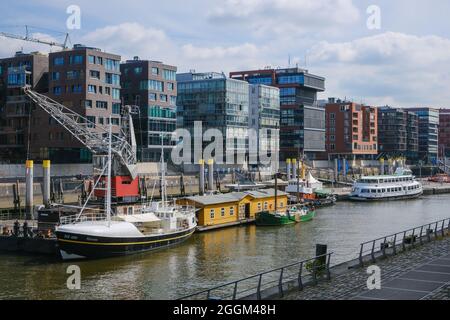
223, 210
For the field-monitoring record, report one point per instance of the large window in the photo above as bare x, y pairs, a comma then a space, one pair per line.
57, 90
112, 65
58, 61
170, 75
102, 105
113, 79
92, 89
299, 79
266, 80
152, 85
116, 94
116, 108
76, 59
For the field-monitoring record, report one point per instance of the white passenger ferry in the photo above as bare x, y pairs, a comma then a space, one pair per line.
401, 185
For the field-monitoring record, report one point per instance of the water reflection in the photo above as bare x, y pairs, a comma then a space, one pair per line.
219, 256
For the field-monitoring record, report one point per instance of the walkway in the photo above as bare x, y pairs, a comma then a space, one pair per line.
420, 273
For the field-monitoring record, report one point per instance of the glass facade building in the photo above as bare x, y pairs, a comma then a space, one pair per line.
428, 133
398, 132
302, 121
218, 103
264, 120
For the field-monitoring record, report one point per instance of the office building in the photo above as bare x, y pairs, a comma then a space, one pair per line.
351, 130
444, 132
428, 133
152, 86
264, 121
15, 108
87, 81
302, 127
218, 103
398, 132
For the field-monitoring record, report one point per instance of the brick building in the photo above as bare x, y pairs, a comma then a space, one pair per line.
15, 109
444, 132
87, 81
351, 130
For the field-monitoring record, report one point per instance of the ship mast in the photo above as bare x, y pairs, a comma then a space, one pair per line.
108, 187
163, 175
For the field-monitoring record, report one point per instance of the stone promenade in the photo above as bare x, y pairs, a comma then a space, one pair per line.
420, 273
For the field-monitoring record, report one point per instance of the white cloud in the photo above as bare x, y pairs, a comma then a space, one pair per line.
286, 17
390, 68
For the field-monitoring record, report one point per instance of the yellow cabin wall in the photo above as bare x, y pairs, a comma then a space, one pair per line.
204, 214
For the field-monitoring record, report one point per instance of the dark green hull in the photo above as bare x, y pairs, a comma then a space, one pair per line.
270, 219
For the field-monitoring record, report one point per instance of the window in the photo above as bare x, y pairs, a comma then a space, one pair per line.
152, 96
71, 75
91, 59
77, 88
259, 206
163, 97
92, 88
101, 104
76, 59
55, 76
58, 61
138, 70
170, 86
266, 205
94, 74
88, 103
173, 100
222, 212
231, 211
115, 121
212, 213
155, 71
57, 90
152, 85
170, 75
113, 79
116, 94
116, 108
91, 123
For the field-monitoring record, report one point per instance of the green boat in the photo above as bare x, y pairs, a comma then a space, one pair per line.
266, 218
303, 213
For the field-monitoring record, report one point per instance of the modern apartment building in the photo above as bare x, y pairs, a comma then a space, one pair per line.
264, 122
215, 102
302, 126
444, 132
398, 133
428, 133
152, 86
15, 109
87, 81
351, 130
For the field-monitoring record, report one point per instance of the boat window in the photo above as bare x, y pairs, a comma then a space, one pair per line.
373, 191
383, 190
222, 212
265, 205
231, 211
259, 206
212, 213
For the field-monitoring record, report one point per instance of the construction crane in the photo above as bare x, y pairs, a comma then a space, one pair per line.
30, 38
124, 182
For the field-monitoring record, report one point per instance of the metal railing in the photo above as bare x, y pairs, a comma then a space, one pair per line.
85, 217
277, 279
401, 241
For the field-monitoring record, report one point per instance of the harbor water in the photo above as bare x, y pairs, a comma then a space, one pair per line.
212, 258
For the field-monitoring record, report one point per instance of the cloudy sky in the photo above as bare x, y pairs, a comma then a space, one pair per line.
405, 63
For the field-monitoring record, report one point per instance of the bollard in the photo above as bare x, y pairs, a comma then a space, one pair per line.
46, 183
202, 177
29, 189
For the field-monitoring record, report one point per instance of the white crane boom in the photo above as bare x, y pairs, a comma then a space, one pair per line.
96, 140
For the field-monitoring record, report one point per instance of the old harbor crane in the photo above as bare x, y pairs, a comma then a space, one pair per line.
125, 183
31, 38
